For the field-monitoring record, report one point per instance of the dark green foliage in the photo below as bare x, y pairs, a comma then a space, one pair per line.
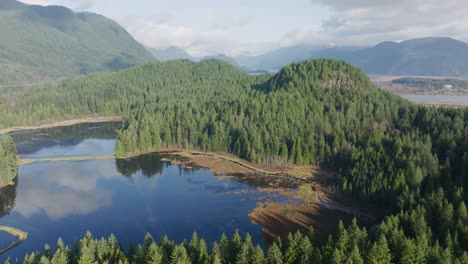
343, 248
409, 160
41, 43
8, 167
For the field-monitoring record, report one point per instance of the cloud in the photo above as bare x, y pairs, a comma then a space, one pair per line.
82, 4
226, 21
161, 32
210, 27
63, 190
364, 22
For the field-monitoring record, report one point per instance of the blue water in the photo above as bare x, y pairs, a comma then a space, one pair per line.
123, 197
6, 239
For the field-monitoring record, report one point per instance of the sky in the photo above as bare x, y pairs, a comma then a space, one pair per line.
252, 27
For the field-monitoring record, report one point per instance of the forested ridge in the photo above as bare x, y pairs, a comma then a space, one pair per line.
42, 43
350, 245
409, 160
8, 168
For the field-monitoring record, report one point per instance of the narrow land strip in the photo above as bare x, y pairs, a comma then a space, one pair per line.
77, 158
99, 119
222, 163
20, 235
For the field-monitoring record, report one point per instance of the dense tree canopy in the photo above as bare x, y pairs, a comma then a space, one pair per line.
409, 159
8, 169
349, 245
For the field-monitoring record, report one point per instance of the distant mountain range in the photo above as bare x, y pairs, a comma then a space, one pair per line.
171, 53
41, 43
423, 56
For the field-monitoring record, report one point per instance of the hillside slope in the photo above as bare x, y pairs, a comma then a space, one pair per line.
171, 53
407, 160
41, 43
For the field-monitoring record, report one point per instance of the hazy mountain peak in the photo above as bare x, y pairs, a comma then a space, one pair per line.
170, 53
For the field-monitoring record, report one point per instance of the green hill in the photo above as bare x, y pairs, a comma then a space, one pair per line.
409, 161
42, 43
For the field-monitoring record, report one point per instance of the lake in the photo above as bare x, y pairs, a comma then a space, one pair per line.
438, 99
123, 197
128, 198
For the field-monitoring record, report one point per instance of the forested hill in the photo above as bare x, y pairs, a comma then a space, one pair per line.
8, 168
41, 43
409, 160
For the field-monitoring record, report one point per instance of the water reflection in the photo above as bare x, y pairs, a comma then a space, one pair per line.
125, 197
77, 140
7, 199
149, 165
60, 190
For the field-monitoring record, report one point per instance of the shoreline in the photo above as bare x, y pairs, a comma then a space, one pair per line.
20, 235
295, 214
8, 184
63, 123
224, 164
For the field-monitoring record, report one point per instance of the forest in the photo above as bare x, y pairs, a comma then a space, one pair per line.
409, 160
8, 168
350, 245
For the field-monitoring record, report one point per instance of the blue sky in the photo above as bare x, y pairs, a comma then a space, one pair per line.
255, 26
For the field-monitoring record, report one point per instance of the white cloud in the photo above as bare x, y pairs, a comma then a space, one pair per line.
365, 22
60, 191
209, 26
161, 32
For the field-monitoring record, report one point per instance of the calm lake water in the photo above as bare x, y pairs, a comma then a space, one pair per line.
125, 197
445, 99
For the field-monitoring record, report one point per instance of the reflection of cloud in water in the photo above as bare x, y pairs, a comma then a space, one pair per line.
64, 188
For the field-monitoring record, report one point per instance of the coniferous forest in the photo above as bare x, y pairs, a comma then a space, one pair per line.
8, 169
409, 160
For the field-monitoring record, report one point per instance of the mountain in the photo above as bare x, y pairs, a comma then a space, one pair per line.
171, 53
404, 165
41, 43
423, 56
221, 57
227, 59
275, 60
